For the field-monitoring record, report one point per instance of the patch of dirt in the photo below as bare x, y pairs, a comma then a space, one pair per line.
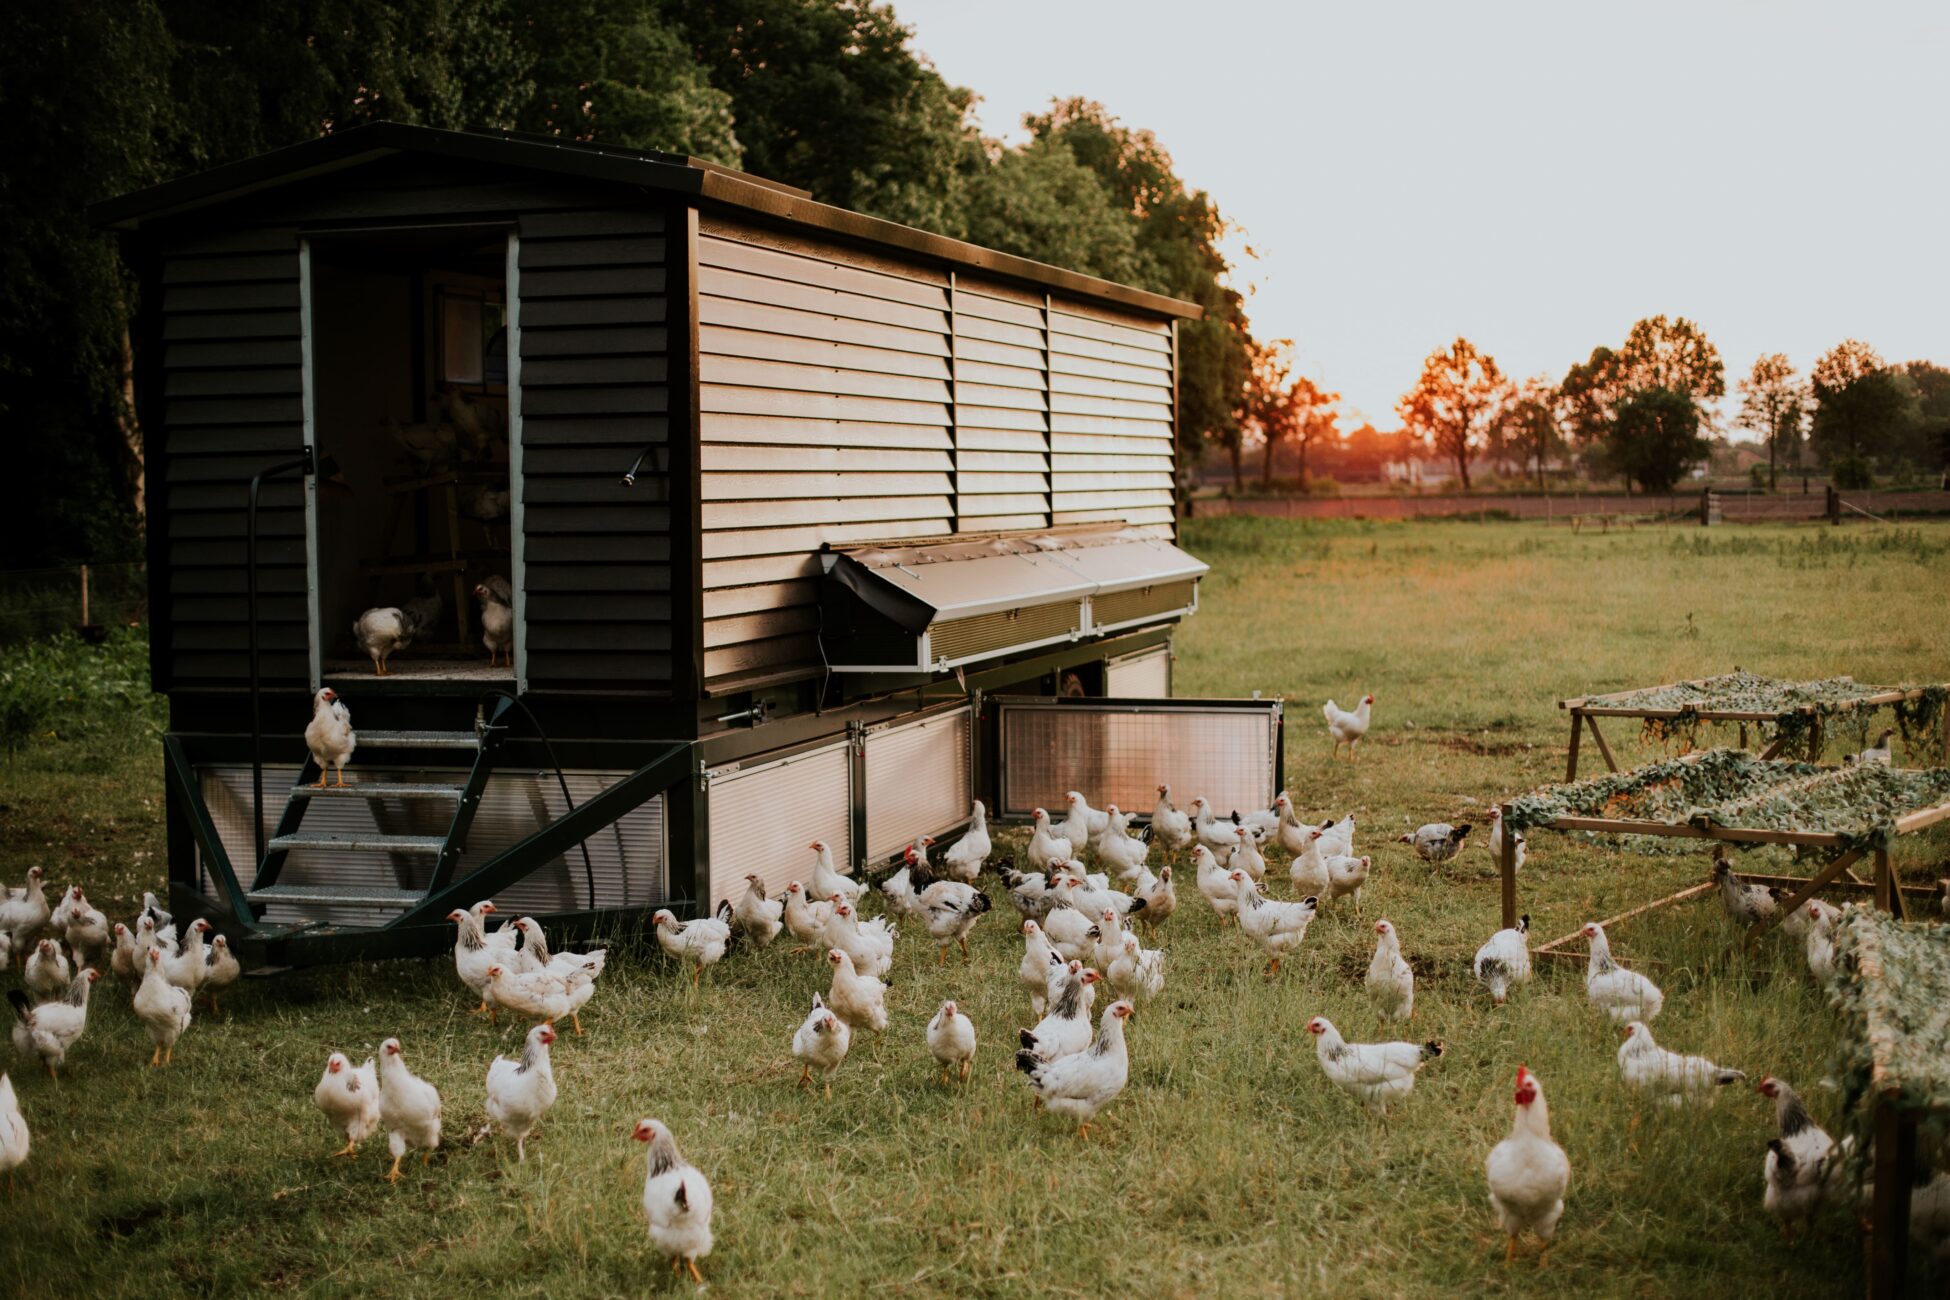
112, 1227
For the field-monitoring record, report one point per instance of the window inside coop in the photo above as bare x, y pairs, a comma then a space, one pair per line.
414, 546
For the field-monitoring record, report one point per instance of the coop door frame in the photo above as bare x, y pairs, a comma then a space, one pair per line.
1226, 723
308, 375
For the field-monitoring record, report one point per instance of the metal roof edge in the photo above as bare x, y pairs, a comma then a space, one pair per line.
694, 178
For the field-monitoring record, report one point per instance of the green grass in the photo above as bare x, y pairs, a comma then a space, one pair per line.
1229, 1167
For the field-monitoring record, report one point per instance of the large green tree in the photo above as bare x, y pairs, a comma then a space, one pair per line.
1861, 407
1655, 437
1773, 404
1040, 202
1659, 352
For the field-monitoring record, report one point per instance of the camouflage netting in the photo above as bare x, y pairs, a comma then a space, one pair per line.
1732, 788
1892, 987
1796, 708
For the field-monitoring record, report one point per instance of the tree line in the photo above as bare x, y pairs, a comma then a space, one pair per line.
1641, 412
106, 96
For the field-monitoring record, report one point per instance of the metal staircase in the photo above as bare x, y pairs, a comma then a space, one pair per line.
444, 850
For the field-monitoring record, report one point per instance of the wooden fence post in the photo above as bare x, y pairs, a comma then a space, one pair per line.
84, 595
1508, 865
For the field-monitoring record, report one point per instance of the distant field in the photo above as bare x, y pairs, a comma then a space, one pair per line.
1228, 1168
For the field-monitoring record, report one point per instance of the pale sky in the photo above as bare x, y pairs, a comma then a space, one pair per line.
1536, 176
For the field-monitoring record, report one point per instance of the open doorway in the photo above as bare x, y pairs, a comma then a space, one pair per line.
413, 553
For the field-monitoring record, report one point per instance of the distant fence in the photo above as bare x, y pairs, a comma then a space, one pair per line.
1735, 506
40, 602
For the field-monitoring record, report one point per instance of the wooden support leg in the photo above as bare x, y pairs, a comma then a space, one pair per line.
1887, 895
1774, 750
1599, 736
1815, 742
1577, 733
1823, 878
1895, 1163
1508, 866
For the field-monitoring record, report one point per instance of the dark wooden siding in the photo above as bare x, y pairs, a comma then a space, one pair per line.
596, 365
233, 405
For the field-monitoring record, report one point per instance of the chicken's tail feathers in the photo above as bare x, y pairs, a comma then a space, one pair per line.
22, 1008
1023, 1036
979, 903
1328, 710
1028, 1062
1432, 1049
1725, 1077
1783, 1157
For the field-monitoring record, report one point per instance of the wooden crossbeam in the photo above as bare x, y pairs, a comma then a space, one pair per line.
1691, 891
1823, 878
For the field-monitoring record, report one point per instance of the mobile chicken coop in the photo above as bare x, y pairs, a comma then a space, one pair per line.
817, 526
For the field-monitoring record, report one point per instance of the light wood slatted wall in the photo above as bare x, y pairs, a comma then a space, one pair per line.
848, 398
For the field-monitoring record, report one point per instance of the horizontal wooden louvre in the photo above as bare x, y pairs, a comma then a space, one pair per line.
233, 404
825, 387
846, 398
1111, 417
595, 369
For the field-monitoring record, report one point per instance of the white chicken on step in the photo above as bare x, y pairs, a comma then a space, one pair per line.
329, 735
1528, 1172
1623, 995
348, 1098
1346, 727
1391, 980
409, 1108
497, 619
1504, 960
1651, 1069
520, 1092
1375, 1073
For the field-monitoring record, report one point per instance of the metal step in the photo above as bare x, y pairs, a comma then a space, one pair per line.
418, 739
359, 843
337, 895
378, 790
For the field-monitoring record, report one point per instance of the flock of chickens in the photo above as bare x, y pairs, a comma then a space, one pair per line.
1080, 929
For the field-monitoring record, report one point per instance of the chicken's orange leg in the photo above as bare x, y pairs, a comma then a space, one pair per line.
940, 957
319, 784
426, 1156
1511, 1252
169, 1054
1274, 969
805, 1075
155, 1057
964, 947
350, 1148
481, 1010
829, 1090
1083, 1130
392, 1175
575, 1018
341, 775
696, 1276
964, 1069
1543, 1256
696, 973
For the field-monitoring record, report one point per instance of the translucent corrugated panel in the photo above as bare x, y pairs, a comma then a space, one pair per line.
627, 860
764, 815
1140, 676
1121, 753
918, 780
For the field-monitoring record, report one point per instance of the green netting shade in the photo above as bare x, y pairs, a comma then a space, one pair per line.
1794, 707
1893, 989
1730, 788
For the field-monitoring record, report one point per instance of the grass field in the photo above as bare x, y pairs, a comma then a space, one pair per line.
1229, 1167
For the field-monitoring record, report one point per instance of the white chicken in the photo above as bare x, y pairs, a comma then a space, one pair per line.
86, 931
903, 904
1651, 1069
1089, 898
221, 970
1065, 1026
47, 975
1624, 995
1744, 902
14, 1138
860, 1000
25, 910
1082, 824
1107, 944
1028, 890
190, 964
1308, 869
1214, 883
676, 1200
1117, 850
1336, 837
520, 1092
1820, 942
1277, 928
1372, 1072
1504, 960
382, 632
497, 619
701, 942
828, 880
1528, 1172
473, 958
806, 917
870, 944
820, 1043
950, 910
1158, 894
1169, 827
1247, 856
951, 1040
1290, 832
1083, 1082
329, 735
51, 1030
761, 918
967, 856
1033, 972
1347, 728
163, 1009
1795, 1171
1437, 841
577, 970
1137, 972
1879, 752
1346, 877
124, 956
1391, 980
1494, 841
349, 1100
1045, 846
409, 1108
1071, 933
1220, 834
